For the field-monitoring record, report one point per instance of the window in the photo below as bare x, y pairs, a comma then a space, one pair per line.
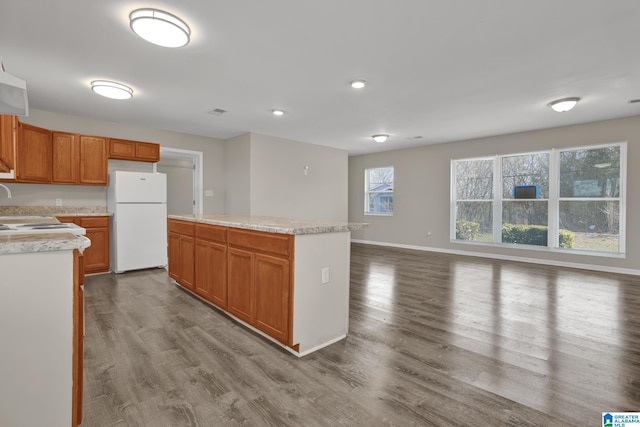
567, 199
378, 191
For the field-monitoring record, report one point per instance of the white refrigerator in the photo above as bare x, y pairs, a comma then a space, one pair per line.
138, 201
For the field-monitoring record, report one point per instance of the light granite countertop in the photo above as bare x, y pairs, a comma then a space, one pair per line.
41, 242
55, 210
274, 224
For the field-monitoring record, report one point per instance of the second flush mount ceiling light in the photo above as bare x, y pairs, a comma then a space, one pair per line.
159, 27
111, 89
562, 105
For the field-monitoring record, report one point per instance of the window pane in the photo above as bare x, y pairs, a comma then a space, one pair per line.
379, 190
474, 221
528, 169
525, 222
474, 179
590, 173
380, 203
595, 225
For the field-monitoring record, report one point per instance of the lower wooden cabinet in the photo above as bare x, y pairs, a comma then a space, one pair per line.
247, 273
241, 286
96, 256
182, 253
211, 264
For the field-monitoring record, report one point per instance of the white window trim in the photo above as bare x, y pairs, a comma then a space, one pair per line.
367, 192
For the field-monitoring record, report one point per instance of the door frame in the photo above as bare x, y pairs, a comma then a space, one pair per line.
196, 158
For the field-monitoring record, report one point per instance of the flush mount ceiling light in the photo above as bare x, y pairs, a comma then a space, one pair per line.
358, 84
159, 27
111, 90
277, 112
380, 138
562, 105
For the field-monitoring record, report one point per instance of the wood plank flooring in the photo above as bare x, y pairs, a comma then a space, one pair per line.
434, 340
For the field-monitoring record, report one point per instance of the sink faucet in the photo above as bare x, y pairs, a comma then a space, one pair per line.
8, 191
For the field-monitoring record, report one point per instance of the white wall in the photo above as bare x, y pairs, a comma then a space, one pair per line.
280, 187
422, 181
238, 174
73, 195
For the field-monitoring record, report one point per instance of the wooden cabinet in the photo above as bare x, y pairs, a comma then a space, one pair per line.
260, 281
96, 256
247, 273
241, 285
8, 138
123, 149
65, 152
93, 160
79, 159
78, 338
33, 154
182, 252
211, 263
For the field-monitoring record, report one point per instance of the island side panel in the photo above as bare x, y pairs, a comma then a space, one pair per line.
36, 332
321, 311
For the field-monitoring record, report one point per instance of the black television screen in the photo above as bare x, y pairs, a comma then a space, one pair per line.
525, 192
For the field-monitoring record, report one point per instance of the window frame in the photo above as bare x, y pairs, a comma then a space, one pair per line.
553, 201
367, 193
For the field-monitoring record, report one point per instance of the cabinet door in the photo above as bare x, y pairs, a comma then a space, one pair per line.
211, 272
33, 154
147, 152
187, 257
65, 158
122, 149
93, 160
272, 278
8, 137
175, 270
241, 285
96, 256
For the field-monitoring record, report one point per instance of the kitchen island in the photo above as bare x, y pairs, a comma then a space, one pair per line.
287, 279
40, 328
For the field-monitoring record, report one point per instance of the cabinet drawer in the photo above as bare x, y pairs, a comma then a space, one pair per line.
281, 244
212, 233
67, 219
181, 227
93, 222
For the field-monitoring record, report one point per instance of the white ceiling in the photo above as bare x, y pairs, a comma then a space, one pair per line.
444, 70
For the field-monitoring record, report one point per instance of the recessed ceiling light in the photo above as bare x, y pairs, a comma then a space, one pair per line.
380, 138
159, 27
565, 104
111, 90
358, 84
277, 112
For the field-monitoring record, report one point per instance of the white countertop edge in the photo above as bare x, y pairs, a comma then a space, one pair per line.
273, 224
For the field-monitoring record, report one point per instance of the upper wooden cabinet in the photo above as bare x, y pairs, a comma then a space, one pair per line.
123, 149
79, 159
93, 160
8, 137
34, 154
65, 151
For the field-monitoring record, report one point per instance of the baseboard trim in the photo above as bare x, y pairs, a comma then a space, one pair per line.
600, 268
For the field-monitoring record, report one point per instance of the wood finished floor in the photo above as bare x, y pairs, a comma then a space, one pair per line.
434, 339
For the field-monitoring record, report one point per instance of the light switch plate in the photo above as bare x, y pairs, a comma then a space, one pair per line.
325, 275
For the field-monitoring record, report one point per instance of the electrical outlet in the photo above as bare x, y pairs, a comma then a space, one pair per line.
429, 235
58, 202
208, 193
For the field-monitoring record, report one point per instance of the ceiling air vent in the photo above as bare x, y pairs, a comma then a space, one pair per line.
217, 112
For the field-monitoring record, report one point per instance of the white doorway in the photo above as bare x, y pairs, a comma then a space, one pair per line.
184, 180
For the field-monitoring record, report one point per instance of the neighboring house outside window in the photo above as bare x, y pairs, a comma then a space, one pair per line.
378, 191
566, 199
